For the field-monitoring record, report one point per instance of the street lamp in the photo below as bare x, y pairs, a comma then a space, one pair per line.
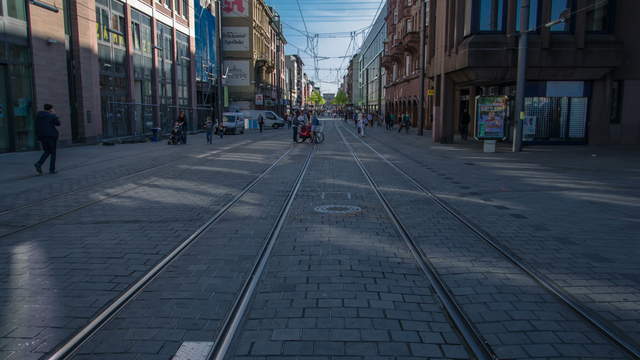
521, 77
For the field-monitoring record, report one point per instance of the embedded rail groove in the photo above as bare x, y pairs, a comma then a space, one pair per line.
105, 197
137, 172
68, 348
234, 318
472, 338
610, 331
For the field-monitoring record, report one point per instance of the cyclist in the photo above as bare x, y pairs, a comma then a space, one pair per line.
315, 124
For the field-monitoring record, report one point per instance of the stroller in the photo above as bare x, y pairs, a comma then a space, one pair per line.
175, 137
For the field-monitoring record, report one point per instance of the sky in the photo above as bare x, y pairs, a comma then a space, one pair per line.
333, 21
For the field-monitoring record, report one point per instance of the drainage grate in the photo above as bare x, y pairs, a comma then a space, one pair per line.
337, 209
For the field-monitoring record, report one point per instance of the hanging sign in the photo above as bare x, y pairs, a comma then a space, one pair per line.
491, 114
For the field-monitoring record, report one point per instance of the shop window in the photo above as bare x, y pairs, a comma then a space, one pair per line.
533, 14
598, 15
491, 15
561, 8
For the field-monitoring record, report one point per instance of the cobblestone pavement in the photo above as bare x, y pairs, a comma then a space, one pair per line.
516, 316
571, 212
343, 286
55, 276
339, 286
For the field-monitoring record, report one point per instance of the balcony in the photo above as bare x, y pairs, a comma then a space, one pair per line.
411, 41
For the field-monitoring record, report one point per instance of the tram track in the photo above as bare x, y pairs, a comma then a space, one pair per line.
101, 198
476, 345
144, 170
615, 335
68, 348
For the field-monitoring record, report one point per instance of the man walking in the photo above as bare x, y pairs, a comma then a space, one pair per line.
261, 122
46, 122
464, 124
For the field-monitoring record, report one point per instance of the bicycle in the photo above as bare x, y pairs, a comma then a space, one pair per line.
318, 136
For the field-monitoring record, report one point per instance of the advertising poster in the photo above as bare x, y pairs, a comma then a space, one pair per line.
259, 99
491, 114
529, 127
235, 8
235, 38
237, 72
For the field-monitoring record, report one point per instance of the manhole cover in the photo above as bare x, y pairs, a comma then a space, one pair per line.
337, 209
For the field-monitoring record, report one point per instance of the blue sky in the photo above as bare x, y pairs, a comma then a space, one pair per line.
325, 17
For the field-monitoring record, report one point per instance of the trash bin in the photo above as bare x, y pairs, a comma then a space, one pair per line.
154, 136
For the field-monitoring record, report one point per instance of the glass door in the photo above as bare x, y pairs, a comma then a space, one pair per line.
5, 144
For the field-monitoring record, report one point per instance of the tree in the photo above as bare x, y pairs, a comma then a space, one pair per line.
316, 98
341, 98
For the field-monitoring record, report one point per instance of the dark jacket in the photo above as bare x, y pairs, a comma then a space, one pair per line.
46, 123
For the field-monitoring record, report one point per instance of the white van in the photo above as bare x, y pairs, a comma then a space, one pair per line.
271, 119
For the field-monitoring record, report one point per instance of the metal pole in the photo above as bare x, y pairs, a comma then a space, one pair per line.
522, 71
219, 60
423, 22
278, 87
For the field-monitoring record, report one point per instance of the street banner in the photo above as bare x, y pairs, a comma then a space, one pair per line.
529, 127
235, 8
491, 114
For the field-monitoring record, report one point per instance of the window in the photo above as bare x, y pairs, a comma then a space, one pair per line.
533, 15
491, 15
597, 16
395, 15
409, 24
16, 9
167, 3
407, 65
395, 72
185, 8
468, 16
559, 8
408, 2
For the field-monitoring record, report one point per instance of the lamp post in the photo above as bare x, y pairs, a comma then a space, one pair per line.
521, 75
423, 22
219, 60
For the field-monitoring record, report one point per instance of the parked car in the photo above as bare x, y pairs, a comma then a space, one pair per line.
233, 122
271, 119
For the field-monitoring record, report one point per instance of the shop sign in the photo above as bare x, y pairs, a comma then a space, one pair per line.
235, 8
259, 99
237, 72
491, 114
235, 38
431, 92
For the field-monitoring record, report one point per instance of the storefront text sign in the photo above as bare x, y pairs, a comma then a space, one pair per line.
237, 72
491, 113
235, 38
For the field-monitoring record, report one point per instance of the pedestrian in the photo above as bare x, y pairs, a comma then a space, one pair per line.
181, 122
208, 125
47, 134
296, 120
287, 118
220, 128
406, 121
369, 121
356, 116
362, 123
261, 122
315, 125
387, 121
464, 124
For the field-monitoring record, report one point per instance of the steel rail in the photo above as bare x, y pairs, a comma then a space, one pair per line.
69, 347
609, 330
105, 197
472, 338
232, 322
137, 172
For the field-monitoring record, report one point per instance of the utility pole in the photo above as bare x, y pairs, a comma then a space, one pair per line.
423, 22
278, 86
522, 73
219, 60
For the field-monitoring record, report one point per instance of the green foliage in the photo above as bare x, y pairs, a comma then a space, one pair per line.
341, 98
316, 98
